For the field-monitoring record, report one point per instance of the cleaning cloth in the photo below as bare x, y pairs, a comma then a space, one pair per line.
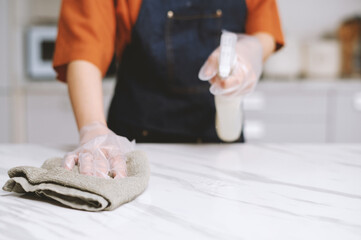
80, 191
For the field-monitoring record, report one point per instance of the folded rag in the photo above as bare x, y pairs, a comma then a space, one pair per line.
81, 191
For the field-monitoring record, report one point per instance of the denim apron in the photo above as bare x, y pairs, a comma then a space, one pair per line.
158, 96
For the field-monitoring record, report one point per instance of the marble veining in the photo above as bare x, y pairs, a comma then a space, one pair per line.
207, 191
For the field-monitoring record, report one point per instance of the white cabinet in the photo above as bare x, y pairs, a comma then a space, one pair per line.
49, 116
298, 112
346, 116
50, 120
304, 112
290, 112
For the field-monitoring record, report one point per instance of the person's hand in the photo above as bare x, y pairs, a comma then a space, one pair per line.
101, 152
246, 69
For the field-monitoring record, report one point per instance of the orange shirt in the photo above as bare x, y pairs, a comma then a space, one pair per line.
94, 30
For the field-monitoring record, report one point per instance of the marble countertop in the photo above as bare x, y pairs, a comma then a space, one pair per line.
209, 191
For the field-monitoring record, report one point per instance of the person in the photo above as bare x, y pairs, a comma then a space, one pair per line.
162, 49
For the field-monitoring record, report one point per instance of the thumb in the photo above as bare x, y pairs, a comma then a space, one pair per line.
69, 160
210, 67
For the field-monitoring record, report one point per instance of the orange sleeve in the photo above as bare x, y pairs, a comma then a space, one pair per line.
86, 31
263, 16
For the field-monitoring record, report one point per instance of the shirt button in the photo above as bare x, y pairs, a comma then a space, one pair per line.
219, 12
145, 133
170, 14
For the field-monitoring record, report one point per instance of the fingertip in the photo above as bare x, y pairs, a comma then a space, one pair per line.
118, 167
207, 72
119, 174
210, 67
101, 174
223, 84
230, 82
119, 171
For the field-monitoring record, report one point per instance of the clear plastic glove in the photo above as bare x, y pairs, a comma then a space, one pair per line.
245, 72
101, 152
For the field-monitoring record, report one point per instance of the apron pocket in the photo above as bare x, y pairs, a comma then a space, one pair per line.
189, 40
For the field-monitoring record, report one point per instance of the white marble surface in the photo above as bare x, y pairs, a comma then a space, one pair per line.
268, 191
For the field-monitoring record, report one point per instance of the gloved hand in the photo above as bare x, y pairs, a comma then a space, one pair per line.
101, 151
246, 69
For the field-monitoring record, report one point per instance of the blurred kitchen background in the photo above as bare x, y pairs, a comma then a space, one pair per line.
310, 91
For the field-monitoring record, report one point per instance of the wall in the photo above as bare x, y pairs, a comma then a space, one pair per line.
16, 16
309, 19
4, 82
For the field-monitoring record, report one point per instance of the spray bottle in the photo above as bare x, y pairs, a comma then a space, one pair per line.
228, 107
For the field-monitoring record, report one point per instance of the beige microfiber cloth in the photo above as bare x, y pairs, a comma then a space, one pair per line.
80, 191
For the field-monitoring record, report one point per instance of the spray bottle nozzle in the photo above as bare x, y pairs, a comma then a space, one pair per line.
227, 53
